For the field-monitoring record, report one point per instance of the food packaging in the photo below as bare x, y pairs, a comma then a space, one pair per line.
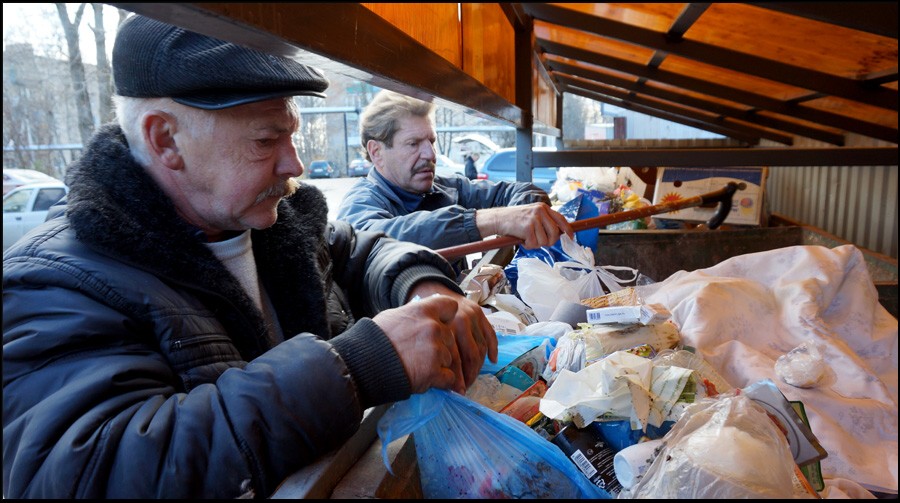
645, 314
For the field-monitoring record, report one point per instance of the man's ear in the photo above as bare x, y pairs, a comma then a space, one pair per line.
374, 148
159, 135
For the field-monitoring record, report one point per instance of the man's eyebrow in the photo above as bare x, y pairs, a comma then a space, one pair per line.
273, 129
417, 137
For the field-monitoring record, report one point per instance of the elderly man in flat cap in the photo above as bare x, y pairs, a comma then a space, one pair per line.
192, 326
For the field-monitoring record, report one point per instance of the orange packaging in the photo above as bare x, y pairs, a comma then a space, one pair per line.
527, 405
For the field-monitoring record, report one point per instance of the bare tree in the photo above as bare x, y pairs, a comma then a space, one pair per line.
76, 71
104, 76
578, 112
311, 140
444, 117
30, 109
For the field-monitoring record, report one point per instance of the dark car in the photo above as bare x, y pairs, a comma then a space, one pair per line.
359, 167
502, 167
321, 169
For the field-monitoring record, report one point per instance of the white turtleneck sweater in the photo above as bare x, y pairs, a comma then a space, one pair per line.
237, 256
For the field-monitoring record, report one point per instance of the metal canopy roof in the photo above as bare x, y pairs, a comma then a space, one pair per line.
751, 72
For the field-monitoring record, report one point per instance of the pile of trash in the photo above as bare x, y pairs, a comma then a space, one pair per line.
604, 377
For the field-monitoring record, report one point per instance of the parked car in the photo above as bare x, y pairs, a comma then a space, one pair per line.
359, 167
26, 206
443, 166
501, 166
321, 169
13, 177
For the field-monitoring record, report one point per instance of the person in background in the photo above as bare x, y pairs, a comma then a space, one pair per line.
191, 326
402, 196
471, 171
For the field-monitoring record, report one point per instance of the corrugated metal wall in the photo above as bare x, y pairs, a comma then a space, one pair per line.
855, 203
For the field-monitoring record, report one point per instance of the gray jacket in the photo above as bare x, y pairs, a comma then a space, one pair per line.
135, 366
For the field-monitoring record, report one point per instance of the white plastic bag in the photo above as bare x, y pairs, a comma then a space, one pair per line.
543, 286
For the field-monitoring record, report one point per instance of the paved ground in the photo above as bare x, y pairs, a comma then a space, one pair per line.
334, 190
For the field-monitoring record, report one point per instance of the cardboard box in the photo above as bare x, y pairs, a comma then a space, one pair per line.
680, 183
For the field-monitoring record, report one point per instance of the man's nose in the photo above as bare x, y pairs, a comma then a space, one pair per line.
289, 162
429, 152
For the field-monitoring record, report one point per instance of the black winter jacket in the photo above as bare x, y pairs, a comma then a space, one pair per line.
134, 365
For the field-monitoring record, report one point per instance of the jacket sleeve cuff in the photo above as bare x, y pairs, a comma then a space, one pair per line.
471, 225
411, 276
373, 363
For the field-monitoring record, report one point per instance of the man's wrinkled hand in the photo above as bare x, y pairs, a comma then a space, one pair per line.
536, 224
475, 337
422, 334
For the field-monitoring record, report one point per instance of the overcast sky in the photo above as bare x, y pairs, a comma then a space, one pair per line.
39, 25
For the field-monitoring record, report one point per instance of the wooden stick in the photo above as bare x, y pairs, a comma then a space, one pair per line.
722, 196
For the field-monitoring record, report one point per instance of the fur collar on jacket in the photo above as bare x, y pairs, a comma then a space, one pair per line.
117, 208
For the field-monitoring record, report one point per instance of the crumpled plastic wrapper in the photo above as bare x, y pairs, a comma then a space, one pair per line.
620, 385
488, 281
802, 367
714, 382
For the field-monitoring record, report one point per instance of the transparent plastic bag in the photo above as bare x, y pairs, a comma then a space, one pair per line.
721, 448
803, 366
715, 383
465, 450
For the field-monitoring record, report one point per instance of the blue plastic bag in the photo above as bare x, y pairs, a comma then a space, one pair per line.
619, 435
465, 450
510, 347
581, 207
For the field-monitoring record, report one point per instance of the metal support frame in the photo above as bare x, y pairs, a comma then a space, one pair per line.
840, 156
524, 46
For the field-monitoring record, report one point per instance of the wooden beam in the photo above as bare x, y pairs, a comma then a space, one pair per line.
686, 18
681, 110
882, 77
515, 14
344, 38
879, 18
719, 90
717, 56
789, 156
653, 112
748, 115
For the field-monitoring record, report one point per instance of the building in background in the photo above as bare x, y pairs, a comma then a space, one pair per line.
40, 125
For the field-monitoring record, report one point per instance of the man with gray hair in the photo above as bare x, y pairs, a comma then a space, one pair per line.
403, 197
192, 326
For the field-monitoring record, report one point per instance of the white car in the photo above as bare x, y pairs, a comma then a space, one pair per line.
13, 177
445, 167
25, 207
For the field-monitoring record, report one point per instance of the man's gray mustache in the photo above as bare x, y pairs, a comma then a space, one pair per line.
430, 166
285, 189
